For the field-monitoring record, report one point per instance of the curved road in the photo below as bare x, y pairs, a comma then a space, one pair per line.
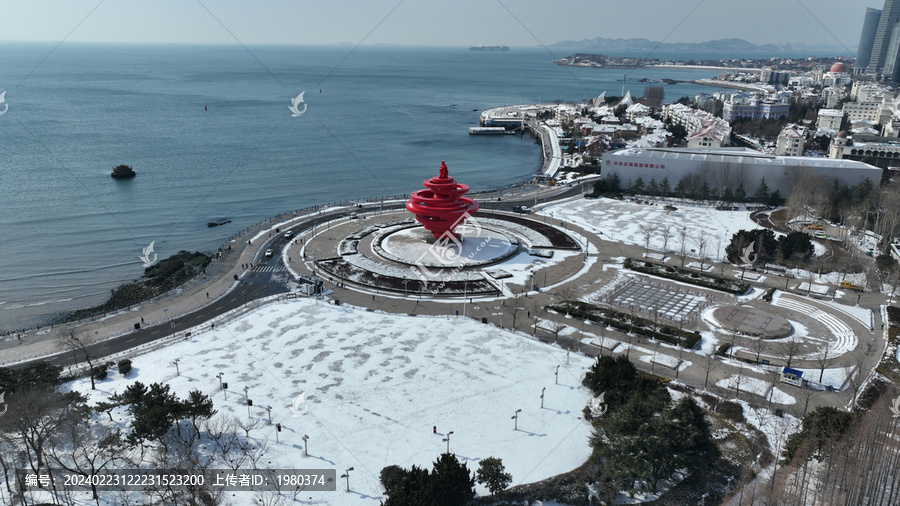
257, 283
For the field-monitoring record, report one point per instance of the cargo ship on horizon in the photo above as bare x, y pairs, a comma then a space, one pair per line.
489, 48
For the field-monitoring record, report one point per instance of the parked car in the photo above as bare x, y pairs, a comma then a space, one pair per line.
269, 252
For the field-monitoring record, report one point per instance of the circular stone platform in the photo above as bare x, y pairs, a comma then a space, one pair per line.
753, 322
478, 246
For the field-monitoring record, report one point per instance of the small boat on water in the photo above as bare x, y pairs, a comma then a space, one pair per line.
123, 171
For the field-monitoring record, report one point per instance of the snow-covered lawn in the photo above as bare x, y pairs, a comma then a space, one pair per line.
622, 221
835, 377
756, 386
374, 386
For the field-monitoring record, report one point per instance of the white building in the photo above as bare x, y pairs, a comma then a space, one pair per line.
636, 111
791, 141
832, 95
723, 168
878, 111
755, 107
837, 75
863, 91
884, 151
704, 129
829, 119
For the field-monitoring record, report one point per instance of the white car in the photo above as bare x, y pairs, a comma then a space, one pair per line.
289, 234
268, 252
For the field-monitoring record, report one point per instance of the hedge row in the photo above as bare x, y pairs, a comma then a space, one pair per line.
620, 320
694, 278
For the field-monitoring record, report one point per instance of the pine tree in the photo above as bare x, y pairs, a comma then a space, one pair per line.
775, 199
412, 487
638, 185
704, 191
740, 195
653, 188
451, 483
613, 183
762, 192
492, 475
664, 188
728, 196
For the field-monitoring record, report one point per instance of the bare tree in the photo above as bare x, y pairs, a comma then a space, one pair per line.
566, 295
80, 344
557, 327
666, 233
514, 310
702, 242
823, 360
758, 345
647, 231
535, 314
35, 417
790, 349
708, 365
857, 378
737, 381
86, 451
806, 399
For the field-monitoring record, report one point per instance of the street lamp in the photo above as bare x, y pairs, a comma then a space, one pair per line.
556, 376
246, 389
269, 409
305, 439
542, 397
166, 312
465, 295
447, 439
347, 475
516, 418
222, 385
177, 372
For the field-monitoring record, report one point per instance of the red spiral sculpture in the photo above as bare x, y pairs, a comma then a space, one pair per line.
441, 207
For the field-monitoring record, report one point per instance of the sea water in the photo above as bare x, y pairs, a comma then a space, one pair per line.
209, 132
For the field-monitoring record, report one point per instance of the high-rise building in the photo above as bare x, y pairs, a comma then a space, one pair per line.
881, 57
867, 39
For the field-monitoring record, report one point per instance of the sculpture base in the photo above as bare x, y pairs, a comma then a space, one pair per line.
416, 246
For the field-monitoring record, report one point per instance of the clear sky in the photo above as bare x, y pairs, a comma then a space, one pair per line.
433, 22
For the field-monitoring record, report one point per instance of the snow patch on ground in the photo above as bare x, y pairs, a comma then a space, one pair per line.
375, 384
622, 221
756, 386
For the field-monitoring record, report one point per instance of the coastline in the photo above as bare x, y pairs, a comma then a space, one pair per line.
729, 84
223, 260
703, 67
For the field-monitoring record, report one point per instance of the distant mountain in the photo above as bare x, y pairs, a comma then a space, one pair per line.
719, 46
